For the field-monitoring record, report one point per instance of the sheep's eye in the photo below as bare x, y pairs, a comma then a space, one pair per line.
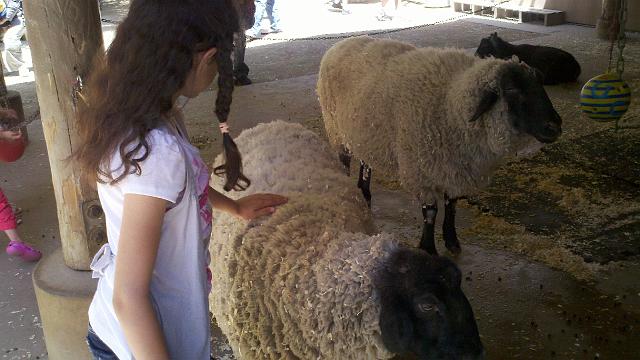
426, 307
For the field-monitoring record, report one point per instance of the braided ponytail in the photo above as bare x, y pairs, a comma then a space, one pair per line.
232, 168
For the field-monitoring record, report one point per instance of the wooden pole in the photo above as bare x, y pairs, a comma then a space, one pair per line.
64, 36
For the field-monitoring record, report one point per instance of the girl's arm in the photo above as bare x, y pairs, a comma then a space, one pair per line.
248, 207
138, 245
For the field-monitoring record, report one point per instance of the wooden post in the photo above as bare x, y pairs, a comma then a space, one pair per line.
64, 36
608, 18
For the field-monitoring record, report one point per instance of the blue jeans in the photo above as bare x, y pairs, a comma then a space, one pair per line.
273, 11
99, 350
12, 54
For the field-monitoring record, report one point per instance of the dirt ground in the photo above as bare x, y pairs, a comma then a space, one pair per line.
550, 250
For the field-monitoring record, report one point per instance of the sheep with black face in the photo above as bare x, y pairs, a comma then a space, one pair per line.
313, 282
438, 120
556, 65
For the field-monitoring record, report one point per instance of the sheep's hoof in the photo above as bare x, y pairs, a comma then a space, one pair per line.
454, 249
451, 241
242, 80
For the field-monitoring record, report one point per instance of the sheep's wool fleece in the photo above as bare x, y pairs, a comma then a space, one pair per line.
405, 111
298, 284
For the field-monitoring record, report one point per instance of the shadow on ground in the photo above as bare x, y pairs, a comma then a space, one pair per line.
584, 192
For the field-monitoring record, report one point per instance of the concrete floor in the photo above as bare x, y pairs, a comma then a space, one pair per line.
526, 307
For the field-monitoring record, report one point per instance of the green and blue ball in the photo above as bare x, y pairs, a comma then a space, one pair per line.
605, 97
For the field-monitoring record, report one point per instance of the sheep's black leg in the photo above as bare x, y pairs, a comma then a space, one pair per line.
364, 182
240, 68
345, 159
449, 225
427, 243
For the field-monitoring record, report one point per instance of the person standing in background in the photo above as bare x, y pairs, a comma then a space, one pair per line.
12, 56
338, 5
386, 13
246, 10
273, 11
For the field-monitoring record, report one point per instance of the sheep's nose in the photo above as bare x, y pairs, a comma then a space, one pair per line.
557, 118
553, 127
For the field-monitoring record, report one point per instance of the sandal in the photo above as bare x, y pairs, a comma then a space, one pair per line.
16, 210
26, 252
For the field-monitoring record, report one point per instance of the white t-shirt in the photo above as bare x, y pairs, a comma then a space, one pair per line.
172, 171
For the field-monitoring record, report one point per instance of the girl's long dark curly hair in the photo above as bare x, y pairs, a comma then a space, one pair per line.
131, 87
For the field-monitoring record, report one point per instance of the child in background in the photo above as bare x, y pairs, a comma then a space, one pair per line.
152, 296
8, 222
13, 21
386, 13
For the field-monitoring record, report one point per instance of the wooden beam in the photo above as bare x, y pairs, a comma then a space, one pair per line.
64, 36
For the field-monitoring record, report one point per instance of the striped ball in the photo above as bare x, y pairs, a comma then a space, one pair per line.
605, 97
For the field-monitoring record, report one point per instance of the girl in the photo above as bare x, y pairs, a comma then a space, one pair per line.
8, 221
8, 224
151, 300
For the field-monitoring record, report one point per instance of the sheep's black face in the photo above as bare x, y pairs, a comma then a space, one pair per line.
485, 49
423, 308
529, 109
494, 46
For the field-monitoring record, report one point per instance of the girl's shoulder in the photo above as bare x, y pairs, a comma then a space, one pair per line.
161, 171
163, 151
162, 145
164, 140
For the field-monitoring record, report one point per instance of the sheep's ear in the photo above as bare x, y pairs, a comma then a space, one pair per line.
395, 325
487, 100
497, 42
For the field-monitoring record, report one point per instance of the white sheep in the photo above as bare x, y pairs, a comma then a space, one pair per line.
311, 282
438, 120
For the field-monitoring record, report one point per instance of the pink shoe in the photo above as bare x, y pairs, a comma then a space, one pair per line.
26, 252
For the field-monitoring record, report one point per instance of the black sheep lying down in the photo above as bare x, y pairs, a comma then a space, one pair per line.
557, 66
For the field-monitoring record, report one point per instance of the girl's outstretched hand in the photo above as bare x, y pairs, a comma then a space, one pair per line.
256, 205
10, 135
8, 115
